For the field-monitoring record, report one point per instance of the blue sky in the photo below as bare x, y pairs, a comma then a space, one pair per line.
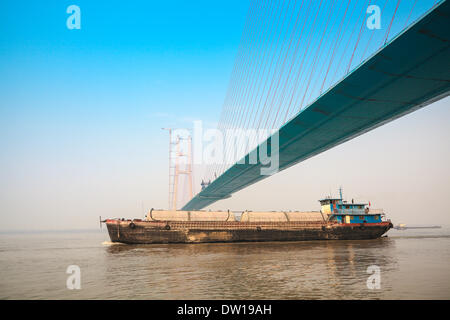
81, 111
81, 106
129, 58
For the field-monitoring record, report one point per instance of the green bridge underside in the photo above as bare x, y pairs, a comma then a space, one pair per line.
410, 72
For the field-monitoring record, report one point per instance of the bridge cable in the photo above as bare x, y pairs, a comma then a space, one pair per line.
231, 124
240, 63
300, 73
282, 105
239, 124
390, 24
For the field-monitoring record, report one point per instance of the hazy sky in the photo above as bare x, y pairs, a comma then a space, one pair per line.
81, 113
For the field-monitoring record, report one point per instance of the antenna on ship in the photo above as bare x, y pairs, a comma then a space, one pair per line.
340, 193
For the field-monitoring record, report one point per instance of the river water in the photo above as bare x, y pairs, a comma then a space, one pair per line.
412, 264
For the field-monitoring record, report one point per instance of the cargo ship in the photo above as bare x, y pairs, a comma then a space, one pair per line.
337, 220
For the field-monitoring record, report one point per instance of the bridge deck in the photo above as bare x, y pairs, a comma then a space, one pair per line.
410, 72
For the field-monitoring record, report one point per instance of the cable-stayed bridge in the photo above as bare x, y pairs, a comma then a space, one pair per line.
322, 72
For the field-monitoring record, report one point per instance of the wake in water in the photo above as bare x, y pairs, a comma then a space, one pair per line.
109, 243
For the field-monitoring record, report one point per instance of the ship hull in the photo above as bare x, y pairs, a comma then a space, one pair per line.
148, 232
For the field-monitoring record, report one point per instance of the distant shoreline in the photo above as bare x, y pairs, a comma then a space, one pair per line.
420, 227
52, 231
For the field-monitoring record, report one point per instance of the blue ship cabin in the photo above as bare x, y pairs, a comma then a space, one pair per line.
354, 218
344, 212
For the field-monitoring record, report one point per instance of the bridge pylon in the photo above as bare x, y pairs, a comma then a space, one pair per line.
177, 168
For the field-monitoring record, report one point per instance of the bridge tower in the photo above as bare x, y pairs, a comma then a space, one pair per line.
180, 164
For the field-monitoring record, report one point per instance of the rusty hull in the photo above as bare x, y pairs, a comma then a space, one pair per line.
147, 232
